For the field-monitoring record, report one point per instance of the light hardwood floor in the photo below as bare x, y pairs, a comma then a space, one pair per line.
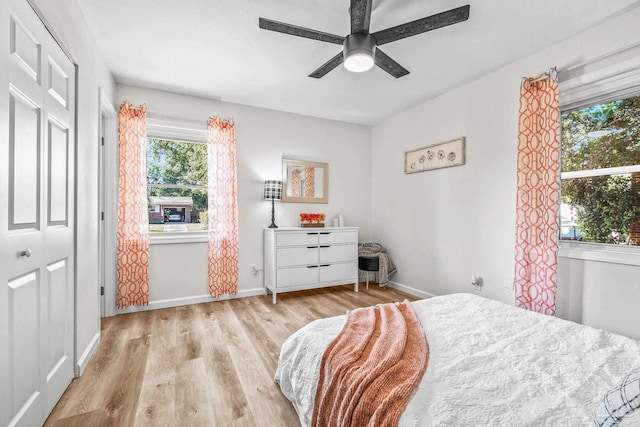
200, 365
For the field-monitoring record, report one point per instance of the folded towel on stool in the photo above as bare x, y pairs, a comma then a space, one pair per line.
387, 267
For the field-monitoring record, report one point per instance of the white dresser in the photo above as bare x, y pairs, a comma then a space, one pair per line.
297, 258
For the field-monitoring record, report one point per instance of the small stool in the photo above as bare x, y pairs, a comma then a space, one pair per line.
368, 263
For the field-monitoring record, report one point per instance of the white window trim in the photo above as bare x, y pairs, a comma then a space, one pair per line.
181, 237
620, 170
613, 254
600, 80
179, 130
609, 77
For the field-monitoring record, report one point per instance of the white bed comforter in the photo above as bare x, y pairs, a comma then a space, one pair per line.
490, 364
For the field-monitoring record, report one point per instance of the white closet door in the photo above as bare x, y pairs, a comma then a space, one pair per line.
36, 219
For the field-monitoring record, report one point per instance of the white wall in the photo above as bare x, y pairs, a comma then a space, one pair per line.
67, 22
600, 294
263, 138
443, 226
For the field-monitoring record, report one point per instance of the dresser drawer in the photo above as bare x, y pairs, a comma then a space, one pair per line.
297, 276
296, 239
337, 253
337, 237
301, 255
338, 272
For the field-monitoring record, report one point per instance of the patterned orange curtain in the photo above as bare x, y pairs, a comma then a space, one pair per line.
538, 195
223, 208
133, 215
309, 182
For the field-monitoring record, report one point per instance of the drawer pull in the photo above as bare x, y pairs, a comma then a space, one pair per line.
312, 266
312, 247
325, 265
325, 232
325, 246
313, 234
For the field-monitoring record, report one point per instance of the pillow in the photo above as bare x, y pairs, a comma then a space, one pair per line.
618, 404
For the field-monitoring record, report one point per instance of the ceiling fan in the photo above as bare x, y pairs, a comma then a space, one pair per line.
360, 49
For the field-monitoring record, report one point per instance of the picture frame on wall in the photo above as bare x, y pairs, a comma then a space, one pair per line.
442, 155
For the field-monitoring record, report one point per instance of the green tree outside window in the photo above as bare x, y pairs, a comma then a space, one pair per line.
607, 207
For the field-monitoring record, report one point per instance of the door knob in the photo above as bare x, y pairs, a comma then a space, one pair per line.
26, 253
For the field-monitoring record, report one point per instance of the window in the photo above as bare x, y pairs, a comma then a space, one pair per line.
176, 185
600, 184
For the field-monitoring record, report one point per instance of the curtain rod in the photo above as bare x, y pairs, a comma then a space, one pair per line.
551, 73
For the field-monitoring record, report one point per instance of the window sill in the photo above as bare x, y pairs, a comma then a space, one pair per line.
177, 238
614, 254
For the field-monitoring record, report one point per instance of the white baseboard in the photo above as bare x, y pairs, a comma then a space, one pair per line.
409, 290
197, 299
83, 361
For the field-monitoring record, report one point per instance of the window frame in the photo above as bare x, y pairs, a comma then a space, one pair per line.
179, 131
604, 79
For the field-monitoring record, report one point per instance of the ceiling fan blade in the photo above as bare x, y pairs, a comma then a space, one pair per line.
385, 62
327, 66
360, 11
281, 27
423, 25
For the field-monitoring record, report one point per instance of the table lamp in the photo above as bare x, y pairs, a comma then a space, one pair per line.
273, 192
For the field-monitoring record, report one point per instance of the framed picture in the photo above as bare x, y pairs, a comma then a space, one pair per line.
305, 182
442, 155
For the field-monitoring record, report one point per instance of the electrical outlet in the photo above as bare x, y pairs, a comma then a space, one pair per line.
476, 282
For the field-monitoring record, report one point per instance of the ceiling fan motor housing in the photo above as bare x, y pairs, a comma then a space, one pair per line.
359, 51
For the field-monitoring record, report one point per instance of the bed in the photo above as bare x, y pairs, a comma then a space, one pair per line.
489, 364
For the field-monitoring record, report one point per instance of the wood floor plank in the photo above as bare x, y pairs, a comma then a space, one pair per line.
87, 395
157, 395
230, 406
208, 364
192, 394
124, 395
260, 335
91, 418
255, 377
278, 316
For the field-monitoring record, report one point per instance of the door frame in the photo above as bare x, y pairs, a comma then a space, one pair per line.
108, 193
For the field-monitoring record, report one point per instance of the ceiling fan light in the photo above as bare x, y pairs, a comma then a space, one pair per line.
358, 62
358, 51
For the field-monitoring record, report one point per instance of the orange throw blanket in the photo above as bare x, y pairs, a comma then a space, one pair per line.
369, 371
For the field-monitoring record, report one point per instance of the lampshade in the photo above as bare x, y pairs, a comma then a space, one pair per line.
273, 190
359, 52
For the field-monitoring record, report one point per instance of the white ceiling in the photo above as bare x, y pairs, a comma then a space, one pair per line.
214, 48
